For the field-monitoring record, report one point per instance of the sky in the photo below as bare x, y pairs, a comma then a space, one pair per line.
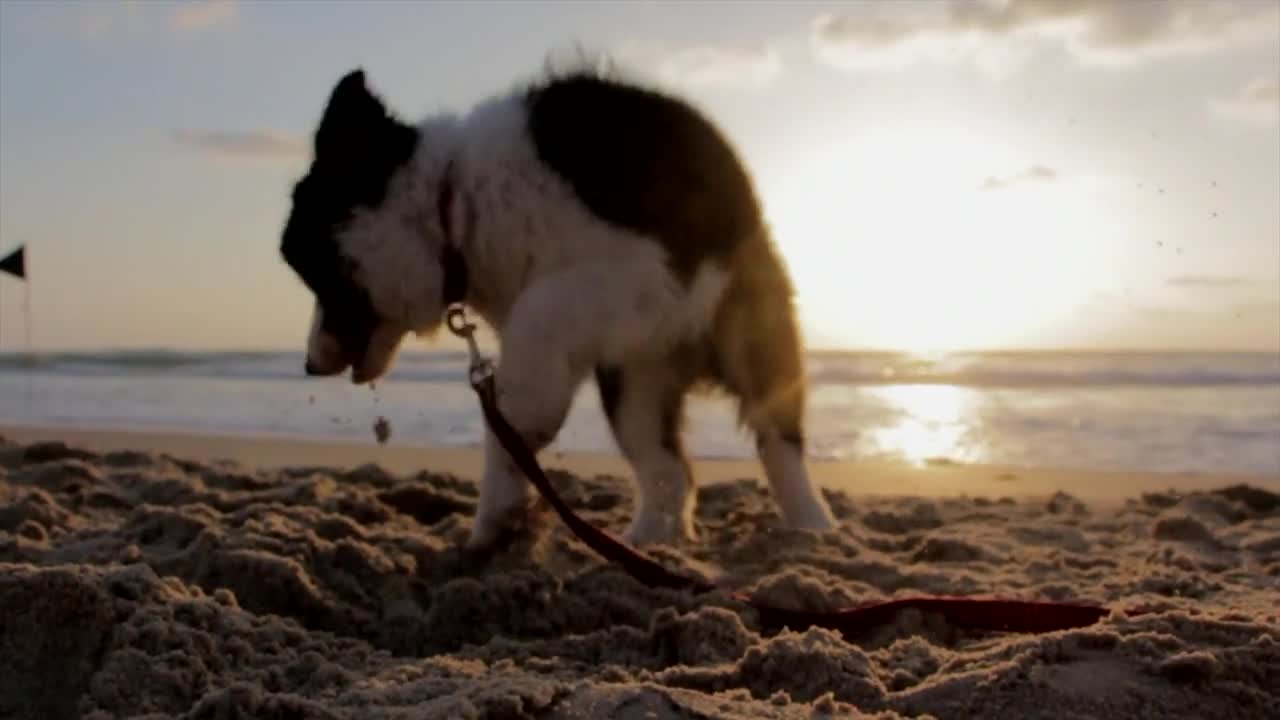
1014, 174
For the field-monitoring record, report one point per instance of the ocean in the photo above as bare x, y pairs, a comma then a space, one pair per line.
1165, 412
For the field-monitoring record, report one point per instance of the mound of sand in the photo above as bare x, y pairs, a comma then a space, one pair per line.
136, 584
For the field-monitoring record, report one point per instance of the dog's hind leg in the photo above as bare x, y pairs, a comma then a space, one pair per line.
774, 410
780, 443
644, 402
759, 356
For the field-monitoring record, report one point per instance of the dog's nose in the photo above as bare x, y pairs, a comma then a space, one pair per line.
310, 368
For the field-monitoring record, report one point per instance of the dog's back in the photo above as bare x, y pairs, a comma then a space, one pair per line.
653, 164
646, 162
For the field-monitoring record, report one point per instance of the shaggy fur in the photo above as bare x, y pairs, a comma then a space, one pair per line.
606, 230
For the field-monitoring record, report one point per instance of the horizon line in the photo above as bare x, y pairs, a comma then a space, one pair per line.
816, 350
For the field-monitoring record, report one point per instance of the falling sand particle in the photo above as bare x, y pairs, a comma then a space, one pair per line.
382, 430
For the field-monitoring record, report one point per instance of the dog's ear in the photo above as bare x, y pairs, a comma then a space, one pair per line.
351, 123
353, 80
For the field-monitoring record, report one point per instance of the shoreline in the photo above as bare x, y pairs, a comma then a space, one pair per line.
855, 477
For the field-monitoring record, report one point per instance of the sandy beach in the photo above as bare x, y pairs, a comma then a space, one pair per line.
169, 575
1003, 276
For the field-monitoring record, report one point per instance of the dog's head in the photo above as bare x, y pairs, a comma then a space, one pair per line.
358, 238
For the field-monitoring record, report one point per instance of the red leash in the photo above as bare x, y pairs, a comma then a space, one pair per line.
961, 612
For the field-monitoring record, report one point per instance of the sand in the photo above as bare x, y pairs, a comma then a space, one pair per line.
149, 583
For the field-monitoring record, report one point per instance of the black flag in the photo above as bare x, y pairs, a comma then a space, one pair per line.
15, 263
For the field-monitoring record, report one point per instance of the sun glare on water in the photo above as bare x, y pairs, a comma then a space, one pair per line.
933, 422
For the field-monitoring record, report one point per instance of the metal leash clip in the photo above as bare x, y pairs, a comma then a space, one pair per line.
481, 370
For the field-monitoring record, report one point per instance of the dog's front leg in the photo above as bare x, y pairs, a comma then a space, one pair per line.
541, 367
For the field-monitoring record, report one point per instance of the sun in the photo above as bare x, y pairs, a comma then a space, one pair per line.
894, 243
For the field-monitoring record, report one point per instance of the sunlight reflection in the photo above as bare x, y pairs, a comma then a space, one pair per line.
935, 423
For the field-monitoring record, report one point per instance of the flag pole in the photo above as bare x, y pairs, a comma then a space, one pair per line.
28, 361
26, 304
15, 264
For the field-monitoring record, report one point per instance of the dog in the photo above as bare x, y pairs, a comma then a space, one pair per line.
604, 230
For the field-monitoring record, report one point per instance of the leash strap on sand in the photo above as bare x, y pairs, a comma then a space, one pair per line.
961, 612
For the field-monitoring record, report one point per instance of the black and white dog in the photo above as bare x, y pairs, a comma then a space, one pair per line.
600, 228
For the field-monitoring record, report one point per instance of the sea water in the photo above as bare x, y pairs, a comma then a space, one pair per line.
1168, 412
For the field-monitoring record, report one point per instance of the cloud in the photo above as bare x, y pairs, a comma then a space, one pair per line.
1207, 282
738, 66
203, 14
89, 21
894, 42
247, 144
111, 18
1035, 173
1257, 102
992, 32
1261, 307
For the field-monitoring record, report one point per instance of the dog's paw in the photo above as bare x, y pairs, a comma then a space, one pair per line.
815, 515
496, 529
660, 529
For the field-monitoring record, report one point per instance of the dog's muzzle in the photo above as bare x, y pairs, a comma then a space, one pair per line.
315, 369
